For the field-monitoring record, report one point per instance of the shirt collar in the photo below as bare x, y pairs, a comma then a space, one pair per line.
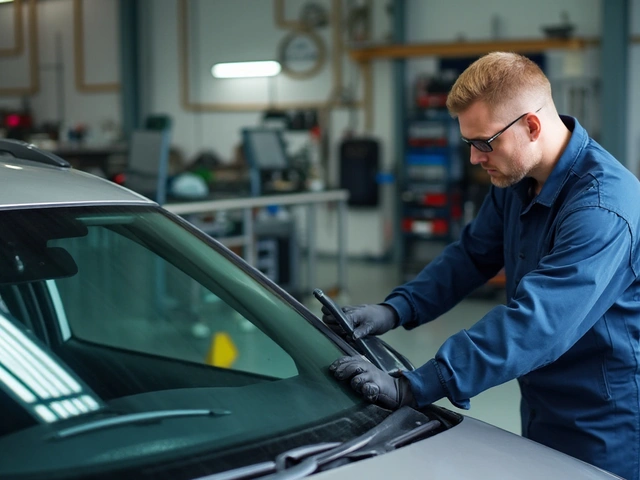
555, 182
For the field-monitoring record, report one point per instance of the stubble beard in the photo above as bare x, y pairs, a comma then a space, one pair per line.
504, 181
520, 168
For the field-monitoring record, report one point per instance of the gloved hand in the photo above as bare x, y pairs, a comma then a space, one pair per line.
373, 384
365, 319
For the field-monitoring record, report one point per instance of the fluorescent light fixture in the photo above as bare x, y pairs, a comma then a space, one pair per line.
267, 68
5, 1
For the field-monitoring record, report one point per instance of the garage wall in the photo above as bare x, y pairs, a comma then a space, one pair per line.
461, 19
58, 98
243, 29
218, 32
499, 19
443, 21
370, 232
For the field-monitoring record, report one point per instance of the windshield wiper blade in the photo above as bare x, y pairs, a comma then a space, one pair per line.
133, 418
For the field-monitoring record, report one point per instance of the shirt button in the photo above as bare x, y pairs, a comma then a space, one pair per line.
521, 255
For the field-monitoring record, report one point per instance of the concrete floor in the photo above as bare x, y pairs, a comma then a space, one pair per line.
369, 282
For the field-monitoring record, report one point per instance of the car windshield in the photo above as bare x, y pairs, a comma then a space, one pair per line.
148, 315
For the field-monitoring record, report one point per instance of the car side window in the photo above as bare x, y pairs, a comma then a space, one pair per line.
126, 296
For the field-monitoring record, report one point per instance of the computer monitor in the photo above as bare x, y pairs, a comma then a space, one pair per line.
265, 149
147, 164
266, 156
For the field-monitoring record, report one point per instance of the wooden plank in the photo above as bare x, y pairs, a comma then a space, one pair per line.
468, 48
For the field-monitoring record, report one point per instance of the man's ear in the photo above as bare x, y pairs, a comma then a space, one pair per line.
534, 125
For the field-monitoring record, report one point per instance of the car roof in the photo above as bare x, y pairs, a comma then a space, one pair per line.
27, 183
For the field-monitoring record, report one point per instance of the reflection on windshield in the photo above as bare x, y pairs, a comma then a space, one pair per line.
38, 381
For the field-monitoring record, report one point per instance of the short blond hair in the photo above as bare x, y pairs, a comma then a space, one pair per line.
499, 79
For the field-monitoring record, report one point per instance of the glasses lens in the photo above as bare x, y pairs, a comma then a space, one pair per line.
481, 145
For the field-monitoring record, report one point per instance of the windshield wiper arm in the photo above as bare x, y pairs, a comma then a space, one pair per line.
312, 464
314, 456
300, 453
264, 468
402, 427
132, 418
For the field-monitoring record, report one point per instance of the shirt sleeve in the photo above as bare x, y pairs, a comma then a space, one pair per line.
588, 268
462, 267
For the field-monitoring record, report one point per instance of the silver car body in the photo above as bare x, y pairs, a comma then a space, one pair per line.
471, 449
29, 184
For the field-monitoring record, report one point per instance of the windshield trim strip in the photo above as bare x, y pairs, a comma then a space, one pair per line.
83, 203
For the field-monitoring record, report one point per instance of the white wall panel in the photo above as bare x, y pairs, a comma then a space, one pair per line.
15, 68
7, 27
101, 41
58, 98
224, 30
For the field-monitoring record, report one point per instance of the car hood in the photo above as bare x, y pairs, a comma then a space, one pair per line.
470, 450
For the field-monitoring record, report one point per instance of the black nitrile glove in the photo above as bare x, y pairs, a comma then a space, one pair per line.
365, 319
373, 384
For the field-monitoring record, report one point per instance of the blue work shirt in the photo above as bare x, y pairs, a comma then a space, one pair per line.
570, 329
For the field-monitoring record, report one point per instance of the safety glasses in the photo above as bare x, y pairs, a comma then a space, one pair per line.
485, 145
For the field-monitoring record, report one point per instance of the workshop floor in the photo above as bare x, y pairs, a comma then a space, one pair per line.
369, 282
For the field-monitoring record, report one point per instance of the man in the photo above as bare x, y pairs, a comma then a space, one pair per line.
563, 219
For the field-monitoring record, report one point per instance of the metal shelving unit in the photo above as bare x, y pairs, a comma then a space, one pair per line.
431, 187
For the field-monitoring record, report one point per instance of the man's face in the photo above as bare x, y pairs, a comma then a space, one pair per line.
512, 158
